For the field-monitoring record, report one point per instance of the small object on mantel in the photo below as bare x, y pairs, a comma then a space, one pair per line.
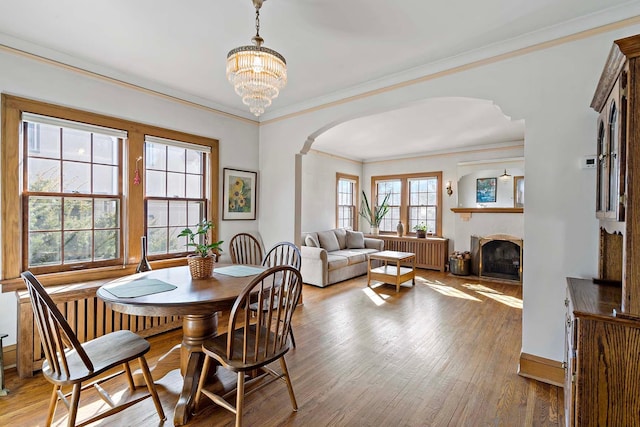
3, 391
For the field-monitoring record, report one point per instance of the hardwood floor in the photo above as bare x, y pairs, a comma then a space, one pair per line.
443, 353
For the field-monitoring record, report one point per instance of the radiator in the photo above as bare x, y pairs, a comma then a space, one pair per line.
87, 315
431, 252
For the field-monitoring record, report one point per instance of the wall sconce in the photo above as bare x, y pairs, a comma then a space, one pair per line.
449, 189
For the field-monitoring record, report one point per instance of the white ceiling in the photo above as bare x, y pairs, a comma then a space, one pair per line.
334, 48
431, 126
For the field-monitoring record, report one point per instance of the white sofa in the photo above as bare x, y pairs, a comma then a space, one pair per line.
332, 256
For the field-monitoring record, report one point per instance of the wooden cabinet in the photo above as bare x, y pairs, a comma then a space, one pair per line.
618, 181
602, 380
602, 343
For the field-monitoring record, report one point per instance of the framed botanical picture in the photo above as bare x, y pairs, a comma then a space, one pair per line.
518, 191
486, 190
239, 195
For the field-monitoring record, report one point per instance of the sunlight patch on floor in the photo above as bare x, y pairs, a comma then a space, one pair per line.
480, 288
495, 295
449, 291
504, 299
378, 299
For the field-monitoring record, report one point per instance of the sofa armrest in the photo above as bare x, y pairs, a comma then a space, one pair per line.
314, 267
371, 243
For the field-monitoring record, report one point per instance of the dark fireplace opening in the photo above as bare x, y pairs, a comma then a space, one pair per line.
501, 259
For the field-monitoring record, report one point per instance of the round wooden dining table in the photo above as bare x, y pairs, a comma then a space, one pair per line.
197, 301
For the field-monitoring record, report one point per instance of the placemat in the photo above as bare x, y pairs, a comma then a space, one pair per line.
140, 287
239, 270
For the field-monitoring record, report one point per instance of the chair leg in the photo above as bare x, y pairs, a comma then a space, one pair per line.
293, 340
151, 386
285, 371
73, 407
239, 399
127, 370
53, 403
203, 379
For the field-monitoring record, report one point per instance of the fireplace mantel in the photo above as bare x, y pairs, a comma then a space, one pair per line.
465, 213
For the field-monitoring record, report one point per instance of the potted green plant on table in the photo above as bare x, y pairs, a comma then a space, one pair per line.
421, 230
373, 215
201, 262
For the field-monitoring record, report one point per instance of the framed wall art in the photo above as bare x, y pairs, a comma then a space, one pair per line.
486, 190
239, 195
518, 191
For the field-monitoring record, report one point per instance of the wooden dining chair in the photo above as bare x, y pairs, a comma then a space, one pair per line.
245, 249
283, 253
251, 343
70, 363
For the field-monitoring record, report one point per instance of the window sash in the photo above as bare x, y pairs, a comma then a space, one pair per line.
346, 203
162, 238
65, 162
400, 208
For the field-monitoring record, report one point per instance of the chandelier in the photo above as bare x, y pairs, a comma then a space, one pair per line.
257, 73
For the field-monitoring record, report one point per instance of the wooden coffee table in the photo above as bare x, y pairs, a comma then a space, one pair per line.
393, 274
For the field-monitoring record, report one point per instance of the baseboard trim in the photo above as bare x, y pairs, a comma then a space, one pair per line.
541, 369
9, 356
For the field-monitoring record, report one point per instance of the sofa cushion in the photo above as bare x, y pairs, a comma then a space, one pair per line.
352, 257
336, 261
355, 240
365, 251
341, 235
311, 241
328, 240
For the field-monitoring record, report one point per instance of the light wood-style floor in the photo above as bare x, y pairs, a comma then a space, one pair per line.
443, 353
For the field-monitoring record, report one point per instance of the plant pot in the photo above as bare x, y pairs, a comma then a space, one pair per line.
199, 267
421, 234
375, 231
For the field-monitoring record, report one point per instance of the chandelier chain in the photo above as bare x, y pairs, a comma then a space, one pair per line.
257, 22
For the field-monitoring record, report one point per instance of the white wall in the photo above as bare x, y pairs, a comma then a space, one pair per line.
319, 188
551, 89
33, 79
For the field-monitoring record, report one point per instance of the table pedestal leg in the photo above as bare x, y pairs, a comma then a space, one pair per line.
195, 329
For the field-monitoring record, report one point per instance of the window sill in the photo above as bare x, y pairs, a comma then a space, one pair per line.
87, 275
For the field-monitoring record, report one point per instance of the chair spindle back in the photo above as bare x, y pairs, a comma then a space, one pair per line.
57, 336
283, 253
278, 290
245, 249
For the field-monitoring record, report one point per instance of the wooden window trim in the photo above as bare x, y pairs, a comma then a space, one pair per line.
404, 196
133, 223
356, 196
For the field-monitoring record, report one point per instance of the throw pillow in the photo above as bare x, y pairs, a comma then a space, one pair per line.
328, 240
311, 241
355, 240
341, 235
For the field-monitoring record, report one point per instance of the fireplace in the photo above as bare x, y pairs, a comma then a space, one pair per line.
498, 256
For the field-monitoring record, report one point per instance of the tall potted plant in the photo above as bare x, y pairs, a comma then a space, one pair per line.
373, 215
201, 262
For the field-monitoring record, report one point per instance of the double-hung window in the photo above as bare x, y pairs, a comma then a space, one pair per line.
414, 199
89, 186
347, 196
72, 194
175, 193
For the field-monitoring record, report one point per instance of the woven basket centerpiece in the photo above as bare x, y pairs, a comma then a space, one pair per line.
200, 268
